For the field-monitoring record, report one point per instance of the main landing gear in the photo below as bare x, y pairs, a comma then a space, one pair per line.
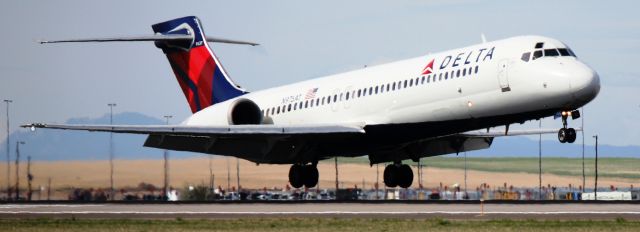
398, 174
303, 175
565, 134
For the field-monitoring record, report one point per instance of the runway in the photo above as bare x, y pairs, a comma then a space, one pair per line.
564, 211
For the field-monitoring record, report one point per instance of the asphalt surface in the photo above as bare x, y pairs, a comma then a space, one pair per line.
562, 211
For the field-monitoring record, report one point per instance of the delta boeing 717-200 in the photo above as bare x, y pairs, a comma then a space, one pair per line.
431, 105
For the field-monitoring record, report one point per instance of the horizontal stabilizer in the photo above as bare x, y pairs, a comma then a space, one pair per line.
155, 38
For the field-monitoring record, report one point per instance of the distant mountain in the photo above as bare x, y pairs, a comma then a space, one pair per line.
519, 146
45, 144
79, 145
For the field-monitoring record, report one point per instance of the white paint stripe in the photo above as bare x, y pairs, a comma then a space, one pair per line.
36, 206
320, 212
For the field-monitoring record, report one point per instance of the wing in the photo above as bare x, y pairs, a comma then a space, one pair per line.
500, 133
226, 131
274, 144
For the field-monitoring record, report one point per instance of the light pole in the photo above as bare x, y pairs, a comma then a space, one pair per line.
595, 190
166, 163
111, 105
465, 173
18, 169
582, 131
29, 178
337, 186
540, 160
238, 174
8, 151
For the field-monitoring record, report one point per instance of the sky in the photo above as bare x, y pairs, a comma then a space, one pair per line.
300, 40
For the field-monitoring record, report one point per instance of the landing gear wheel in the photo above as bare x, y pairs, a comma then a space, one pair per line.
406, 176
296, 179
571, 135
311, 175
391, 176
562, 135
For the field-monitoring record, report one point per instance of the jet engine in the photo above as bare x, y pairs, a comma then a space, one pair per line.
244, 112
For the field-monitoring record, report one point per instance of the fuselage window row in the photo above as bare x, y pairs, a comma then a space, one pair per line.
345, 96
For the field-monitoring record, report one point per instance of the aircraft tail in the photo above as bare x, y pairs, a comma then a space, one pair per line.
198, 71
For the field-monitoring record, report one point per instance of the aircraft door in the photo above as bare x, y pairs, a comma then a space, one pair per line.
503, 75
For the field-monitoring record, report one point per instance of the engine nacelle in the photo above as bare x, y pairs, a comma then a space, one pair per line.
244, 112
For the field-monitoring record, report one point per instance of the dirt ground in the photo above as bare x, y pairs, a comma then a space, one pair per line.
194, 171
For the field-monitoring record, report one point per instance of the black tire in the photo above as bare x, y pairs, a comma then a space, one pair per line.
562, 135
296, 178
406, 176
391, 176
311, 176
571, 135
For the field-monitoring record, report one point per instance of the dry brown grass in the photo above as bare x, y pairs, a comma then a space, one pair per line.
184, 172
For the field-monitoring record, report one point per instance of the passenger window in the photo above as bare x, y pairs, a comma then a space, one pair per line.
537, 54
335, 97
376, 89
470, 68
476, 70
446, 75
295, 106
410, 82
370, 90
289, 108
417, 79
300, 105
347, 96
525, 56
464, 72
423, 79
428, 78
457, 73
388, 87
393, 86
551, 52
317, 101
405, 84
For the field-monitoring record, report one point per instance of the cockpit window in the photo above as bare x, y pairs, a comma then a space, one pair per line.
525, 56
551, 52
564, 52
539, 45
537, 54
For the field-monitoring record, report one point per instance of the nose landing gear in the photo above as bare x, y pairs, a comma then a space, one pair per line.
398, 174
565, 134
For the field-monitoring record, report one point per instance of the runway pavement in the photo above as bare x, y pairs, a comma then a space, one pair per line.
349, 210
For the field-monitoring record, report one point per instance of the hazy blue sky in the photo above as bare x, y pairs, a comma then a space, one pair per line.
301, 40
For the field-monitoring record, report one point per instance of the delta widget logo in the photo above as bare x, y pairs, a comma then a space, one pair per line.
429, 68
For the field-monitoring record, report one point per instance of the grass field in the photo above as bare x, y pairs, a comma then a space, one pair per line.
628, 168
312, 224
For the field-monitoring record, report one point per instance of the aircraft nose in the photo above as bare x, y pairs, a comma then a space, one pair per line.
585, 84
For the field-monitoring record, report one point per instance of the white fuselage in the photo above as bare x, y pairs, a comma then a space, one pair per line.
493, 80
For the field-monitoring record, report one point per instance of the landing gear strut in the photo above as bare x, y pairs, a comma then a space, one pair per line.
303, 175
565, 134
398, 174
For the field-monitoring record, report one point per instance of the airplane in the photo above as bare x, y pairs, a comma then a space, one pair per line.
436, 104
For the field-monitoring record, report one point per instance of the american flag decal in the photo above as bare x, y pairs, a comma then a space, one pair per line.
311, 93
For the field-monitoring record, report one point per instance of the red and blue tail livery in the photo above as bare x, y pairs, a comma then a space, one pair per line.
199, 72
